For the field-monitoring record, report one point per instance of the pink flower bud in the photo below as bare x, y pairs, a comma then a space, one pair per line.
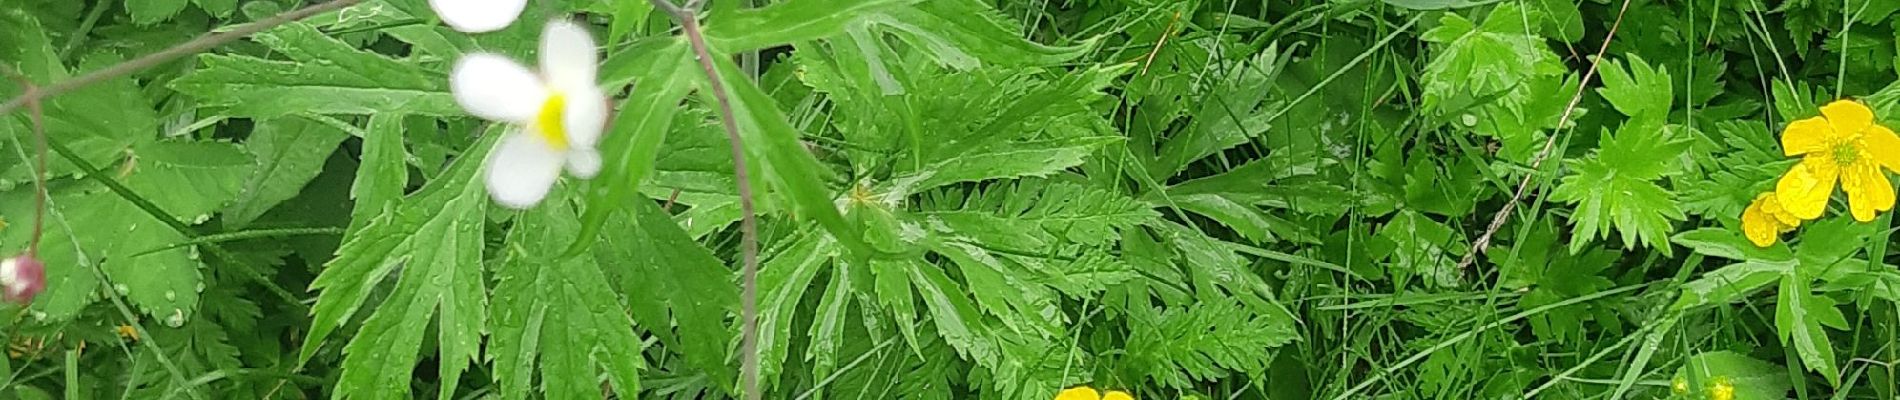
22, 277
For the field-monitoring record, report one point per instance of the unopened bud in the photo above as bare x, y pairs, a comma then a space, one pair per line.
22, 277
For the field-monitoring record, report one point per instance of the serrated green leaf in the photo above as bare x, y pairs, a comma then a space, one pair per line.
774, 145
289, 153
1204, 341
1001, 291
189, 180
556, 317
964, 34
383, 174
437, 236
1615, 188
785, 277
1231, 115
686, 278
1006, 160
147, 12
1644, 91
217, 8
789, 22
639, 130
324, 76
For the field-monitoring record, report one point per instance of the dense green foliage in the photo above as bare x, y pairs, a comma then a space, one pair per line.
960, 199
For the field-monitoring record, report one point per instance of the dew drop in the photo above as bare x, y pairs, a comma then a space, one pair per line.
171, 295
177, 319
121, 288
201, 287
1470, 120
39, 315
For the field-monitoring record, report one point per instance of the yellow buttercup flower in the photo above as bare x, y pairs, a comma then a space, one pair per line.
1842, 145
1722, 389
1089, 393
1765, 220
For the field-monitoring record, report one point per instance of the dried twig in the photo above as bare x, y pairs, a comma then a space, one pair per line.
748, 225
1504, 214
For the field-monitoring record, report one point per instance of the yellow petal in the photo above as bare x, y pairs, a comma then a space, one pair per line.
1079, 393
1804, 190
1868, 191
1757, 225
1848, 117
1772, 207
1883, 145
1806, 136
1117, 395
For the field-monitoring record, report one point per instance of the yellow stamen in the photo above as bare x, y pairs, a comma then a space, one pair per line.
548, 123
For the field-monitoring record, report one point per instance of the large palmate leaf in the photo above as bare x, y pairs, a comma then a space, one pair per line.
435, 237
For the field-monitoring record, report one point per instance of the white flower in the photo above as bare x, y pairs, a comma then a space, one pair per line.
478, 15
555, 117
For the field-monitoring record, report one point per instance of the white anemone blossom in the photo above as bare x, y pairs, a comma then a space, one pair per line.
478, 15
555, 117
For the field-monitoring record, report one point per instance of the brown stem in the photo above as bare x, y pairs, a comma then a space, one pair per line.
748, 224
1504, 214
194, 46
38, 117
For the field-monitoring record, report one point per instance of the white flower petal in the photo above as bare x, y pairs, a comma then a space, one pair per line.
585, 116
583, 163
494, 87
567, 56
478, 15
521, 170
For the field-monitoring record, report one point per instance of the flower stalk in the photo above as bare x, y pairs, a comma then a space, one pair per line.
688, 18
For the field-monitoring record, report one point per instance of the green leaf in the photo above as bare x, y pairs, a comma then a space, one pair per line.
1426, 249
147, 12
1729, 243
1232, 114
1025, 213
1643, 92
1001, 290
785, 278
383, 174
290, 152
1730, 283
556, 317
217, 8
1615, 188
437, 234
684, 277
1203, 342
1001, 161
966, 33
189, 180
639, 129
1799, 317
1426, 5
324, 76
1745, 377
774, 145
789, 22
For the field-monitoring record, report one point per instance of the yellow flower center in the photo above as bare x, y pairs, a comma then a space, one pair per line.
1846, 153
548, 123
